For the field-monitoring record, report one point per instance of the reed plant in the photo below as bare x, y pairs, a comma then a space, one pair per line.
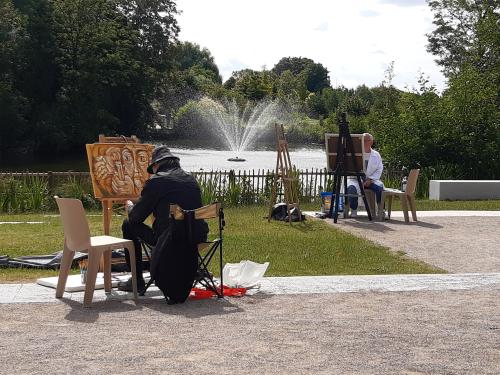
10, 191
209, 188
36, 192
232, 192
79, 188
22, 195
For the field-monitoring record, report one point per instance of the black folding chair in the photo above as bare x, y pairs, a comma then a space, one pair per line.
206, 250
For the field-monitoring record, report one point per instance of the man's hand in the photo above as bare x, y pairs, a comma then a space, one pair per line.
129, 205
367, 183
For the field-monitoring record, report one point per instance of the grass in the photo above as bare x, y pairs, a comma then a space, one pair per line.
428, 205
308, 248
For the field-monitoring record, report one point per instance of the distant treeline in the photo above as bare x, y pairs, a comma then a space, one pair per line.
71, 69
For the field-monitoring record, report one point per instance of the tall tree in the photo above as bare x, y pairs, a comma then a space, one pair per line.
13, 104
189, 55
316, 77
467, 32
157, 28
294, 64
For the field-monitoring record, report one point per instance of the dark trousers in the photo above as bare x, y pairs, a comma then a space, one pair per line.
353, 201
137, 232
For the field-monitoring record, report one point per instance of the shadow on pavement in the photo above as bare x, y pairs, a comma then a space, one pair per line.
387, 226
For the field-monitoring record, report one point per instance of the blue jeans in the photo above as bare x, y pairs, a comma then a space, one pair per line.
353, 201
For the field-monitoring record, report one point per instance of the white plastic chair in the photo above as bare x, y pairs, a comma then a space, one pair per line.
77, 238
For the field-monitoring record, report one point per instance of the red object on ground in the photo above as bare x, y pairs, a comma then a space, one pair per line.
198, 293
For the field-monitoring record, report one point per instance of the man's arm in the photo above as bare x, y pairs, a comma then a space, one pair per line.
145, 205
374, 169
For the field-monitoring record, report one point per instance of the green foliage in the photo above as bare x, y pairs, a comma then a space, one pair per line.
253, 85
79, 188
466, 34
22, 195
72, 69
209, 189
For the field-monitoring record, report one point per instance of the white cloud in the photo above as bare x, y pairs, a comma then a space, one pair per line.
355, 41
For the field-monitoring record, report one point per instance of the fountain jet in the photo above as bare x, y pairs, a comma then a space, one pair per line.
239, 127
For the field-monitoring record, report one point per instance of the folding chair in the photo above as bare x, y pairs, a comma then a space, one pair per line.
206, 250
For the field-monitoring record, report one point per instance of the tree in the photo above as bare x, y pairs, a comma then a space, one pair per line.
156, 26
294, 64
189, 55
466, 33
316, 77
471, 105
253, 85
13, 105
106, 86
290, 87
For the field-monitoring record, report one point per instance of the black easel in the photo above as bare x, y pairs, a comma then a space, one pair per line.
345, 146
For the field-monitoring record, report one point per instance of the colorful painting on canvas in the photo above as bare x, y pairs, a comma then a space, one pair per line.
118, 170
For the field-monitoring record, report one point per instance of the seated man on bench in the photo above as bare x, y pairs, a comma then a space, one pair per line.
374, 168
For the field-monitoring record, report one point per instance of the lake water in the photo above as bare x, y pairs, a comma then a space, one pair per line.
192, 159
205, 159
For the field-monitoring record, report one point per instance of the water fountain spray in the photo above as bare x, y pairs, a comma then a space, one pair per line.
239, 127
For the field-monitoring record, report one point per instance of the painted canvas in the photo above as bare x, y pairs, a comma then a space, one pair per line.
118, 170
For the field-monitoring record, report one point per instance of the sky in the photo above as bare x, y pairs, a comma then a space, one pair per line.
356, 40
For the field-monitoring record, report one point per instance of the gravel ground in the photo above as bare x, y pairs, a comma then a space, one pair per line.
455, 244
363, 333
421, 332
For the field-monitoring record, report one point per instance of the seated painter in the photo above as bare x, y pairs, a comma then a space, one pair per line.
374, 168
169, 184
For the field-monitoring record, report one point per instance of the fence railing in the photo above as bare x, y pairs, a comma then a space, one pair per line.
257, 181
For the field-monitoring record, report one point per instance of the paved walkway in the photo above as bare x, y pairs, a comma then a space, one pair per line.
29, 293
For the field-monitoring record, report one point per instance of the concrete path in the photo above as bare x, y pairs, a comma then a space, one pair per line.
457, 244
33, 293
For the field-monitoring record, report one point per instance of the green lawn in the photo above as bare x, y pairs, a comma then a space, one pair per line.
308, 248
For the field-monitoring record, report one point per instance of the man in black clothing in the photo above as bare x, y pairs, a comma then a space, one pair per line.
170, 184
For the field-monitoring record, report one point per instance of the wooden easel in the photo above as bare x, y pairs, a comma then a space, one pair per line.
107, 203
284, 171
348, 161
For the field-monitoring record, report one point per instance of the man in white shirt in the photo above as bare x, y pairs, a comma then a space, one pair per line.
374, 168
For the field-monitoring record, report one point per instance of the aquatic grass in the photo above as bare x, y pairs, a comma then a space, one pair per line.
208, 186
232, 193
36, 189
11, 195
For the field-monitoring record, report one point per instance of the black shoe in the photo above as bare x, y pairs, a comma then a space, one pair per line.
126, 286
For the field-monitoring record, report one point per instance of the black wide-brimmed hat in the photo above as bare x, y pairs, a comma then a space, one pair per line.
160, 153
